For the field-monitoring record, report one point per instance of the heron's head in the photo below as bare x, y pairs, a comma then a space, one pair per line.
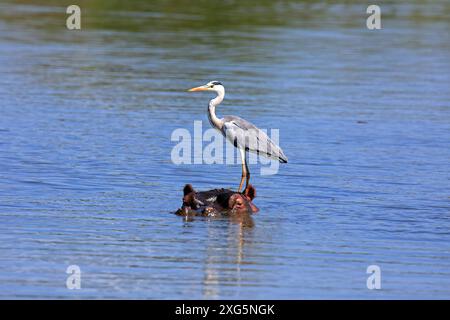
210, 86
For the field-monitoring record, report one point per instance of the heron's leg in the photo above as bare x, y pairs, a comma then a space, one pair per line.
244, 169
248, 174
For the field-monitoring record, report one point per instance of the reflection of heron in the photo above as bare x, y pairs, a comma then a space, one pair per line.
222, 269
244, 135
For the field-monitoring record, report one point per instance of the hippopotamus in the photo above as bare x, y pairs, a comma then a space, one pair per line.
217, 202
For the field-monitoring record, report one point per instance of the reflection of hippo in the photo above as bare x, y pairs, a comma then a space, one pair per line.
217, 202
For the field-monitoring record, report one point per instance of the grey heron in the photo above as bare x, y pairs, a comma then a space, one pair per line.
244, 135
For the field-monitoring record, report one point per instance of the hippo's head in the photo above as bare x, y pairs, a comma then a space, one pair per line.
217, 202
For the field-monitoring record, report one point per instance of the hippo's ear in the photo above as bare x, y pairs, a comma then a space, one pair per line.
250, 192
187, 189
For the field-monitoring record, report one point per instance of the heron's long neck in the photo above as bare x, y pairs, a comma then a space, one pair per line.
213, 119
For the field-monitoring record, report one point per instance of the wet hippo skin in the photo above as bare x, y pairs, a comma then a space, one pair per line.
217, 202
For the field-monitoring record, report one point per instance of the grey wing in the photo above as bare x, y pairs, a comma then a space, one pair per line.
244, 134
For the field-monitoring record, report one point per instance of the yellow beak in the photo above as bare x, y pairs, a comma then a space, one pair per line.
201, 88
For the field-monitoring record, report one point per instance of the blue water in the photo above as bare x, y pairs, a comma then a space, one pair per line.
86, 176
